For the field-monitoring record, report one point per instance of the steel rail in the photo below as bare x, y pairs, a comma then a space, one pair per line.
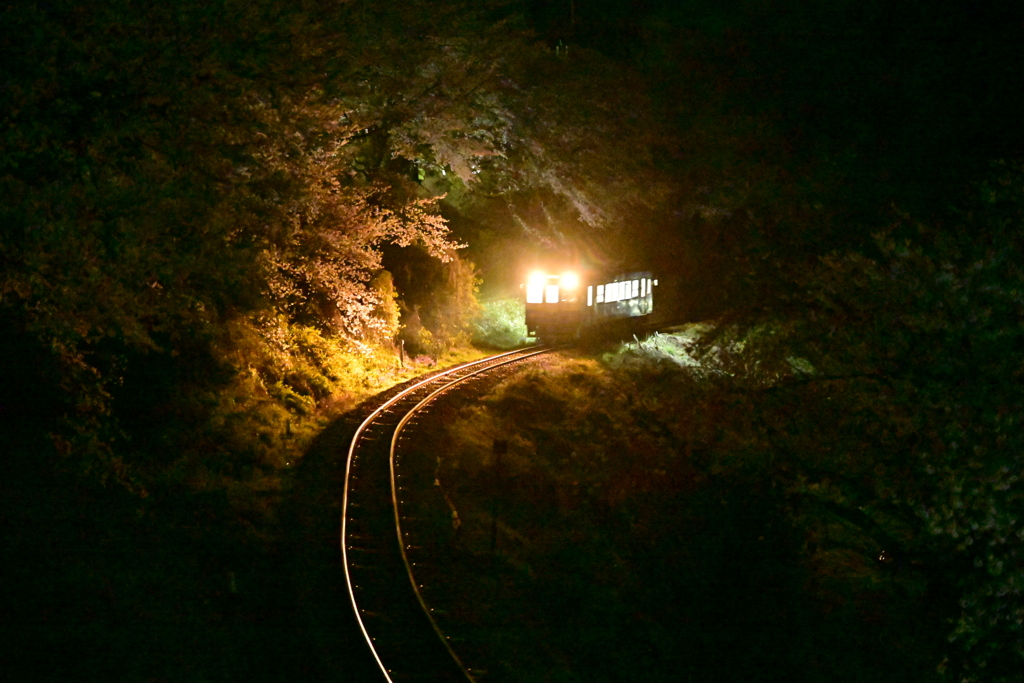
481, 365
394, 490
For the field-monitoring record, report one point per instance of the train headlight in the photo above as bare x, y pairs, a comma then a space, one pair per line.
569, 280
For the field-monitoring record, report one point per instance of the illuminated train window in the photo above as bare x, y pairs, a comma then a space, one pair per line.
590, 295
534, 293
600, 294
636, 289
551, 294
643, 287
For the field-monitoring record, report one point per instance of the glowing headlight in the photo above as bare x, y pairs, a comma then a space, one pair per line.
569, 280
537, 278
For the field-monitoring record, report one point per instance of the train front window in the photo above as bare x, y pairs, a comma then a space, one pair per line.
551, 294
535, 283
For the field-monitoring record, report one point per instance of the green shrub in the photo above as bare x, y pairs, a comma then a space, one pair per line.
501, 324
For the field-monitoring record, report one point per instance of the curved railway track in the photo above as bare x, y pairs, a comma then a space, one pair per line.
403, 637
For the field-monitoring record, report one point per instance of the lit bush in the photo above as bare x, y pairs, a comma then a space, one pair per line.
501, 324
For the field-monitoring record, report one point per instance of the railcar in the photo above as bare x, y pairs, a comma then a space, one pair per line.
566, 304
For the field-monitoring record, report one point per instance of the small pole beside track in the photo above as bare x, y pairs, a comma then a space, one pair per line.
500, 449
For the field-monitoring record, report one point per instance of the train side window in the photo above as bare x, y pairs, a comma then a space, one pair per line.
643, 287
600, 294
636, 289
551, 294
590, 295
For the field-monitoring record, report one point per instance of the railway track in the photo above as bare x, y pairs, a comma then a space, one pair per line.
396, 622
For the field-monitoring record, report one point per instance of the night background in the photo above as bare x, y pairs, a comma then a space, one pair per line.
225, 224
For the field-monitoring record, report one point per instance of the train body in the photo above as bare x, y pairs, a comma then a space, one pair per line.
567, 304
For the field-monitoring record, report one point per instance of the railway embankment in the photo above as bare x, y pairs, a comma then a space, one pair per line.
625, 515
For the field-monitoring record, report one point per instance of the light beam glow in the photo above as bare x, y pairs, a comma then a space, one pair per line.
537, 277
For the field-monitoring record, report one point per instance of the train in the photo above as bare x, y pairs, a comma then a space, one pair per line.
566, 304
